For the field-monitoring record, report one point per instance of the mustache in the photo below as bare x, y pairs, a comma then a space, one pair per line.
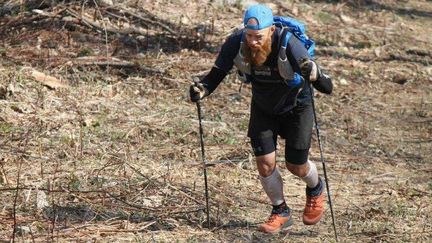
258, 56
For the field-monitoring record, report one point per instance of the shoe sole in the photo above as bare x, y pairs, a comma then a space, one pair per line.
314, 221
282, 228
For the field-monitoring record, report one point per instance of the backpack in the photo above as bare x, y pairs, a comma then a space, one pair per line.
298, 29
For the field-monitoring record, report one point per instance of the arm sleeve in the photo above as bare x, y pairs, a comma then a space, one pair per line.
228, 52
213, 79
223, 64
323, 84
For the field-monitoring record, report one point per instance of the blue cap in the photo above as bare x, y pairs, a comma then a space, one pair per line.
261, 13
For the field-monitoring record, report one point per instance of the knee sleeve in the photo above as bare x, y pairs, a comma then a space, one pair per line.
264, 144
296, 156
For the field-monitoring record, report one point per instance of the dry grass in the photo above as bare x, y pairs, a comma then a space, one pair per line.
115, 156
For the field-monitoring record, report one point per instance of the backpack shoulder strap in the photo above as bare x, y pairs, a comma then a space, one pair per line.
242, 38
285, 35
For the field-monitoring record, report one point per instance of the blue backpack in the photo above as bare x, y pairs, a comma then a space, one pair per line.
296, 28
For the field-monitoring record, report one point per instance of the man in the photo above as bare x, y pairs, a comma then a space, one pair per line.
281, 105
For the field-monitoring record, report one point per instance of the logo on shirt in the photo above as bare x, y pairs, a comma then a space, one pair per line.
263, 71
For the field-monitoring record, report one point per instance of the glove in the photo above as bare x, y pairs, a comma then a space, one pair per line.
197, 91
309, 69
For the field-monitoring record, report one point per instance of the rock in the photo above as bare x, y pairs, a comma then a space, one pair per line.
343, 81
400, 79
90, 122
22, 230
429, 71
341, 141
106, 2
70, 19
346, 19
10, 89
377, 52
41, 200
185, 20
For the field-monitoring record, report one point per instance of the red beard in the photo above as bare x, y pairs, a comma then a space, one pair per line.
258, 56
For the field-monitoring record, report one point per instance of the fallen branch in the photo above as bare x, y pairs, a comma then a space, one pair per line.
113, 62
11, 7
149, 21
107, 26
128, 231
49, 81
425, 120
185, 194
89, 22
131, 204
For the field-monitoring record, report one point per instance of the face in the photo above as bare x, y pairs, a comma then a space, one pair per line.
256, 39
259, 43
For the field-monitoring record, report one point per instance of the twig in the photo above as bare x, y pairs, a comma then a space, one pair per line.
232, 223
138, 172
105, 31
388, 174
96, 25
184, 193
130, 231
130, 204
152, 22
27, 135
202, 208
3, 174
391, 234
93, 24
426, 120
81, 132
49, 190
15, 201
115, 63
216, 162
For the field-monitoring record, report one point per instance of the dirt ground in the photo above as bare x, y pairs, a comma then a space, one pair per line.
99, 142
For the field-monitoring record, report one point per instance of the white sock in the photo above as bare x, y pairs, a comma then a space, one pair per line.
311, 177
273, 186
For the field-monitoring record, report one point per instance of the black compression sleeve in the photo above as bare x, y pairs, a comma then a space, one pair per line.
213, 79
323, 84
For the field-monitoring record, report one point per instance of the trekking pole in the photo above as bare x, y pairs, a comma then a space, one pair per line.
204, 162
322, 161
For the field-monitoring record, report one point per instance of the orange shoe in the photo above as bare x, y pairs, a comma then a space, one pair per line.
276, 222
314, 208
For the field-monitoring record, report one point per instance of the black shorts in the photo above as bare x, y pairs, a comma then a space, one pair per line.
295, 127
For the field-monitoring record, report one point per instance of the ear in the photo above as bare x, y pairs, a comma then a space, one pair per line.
272, 29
